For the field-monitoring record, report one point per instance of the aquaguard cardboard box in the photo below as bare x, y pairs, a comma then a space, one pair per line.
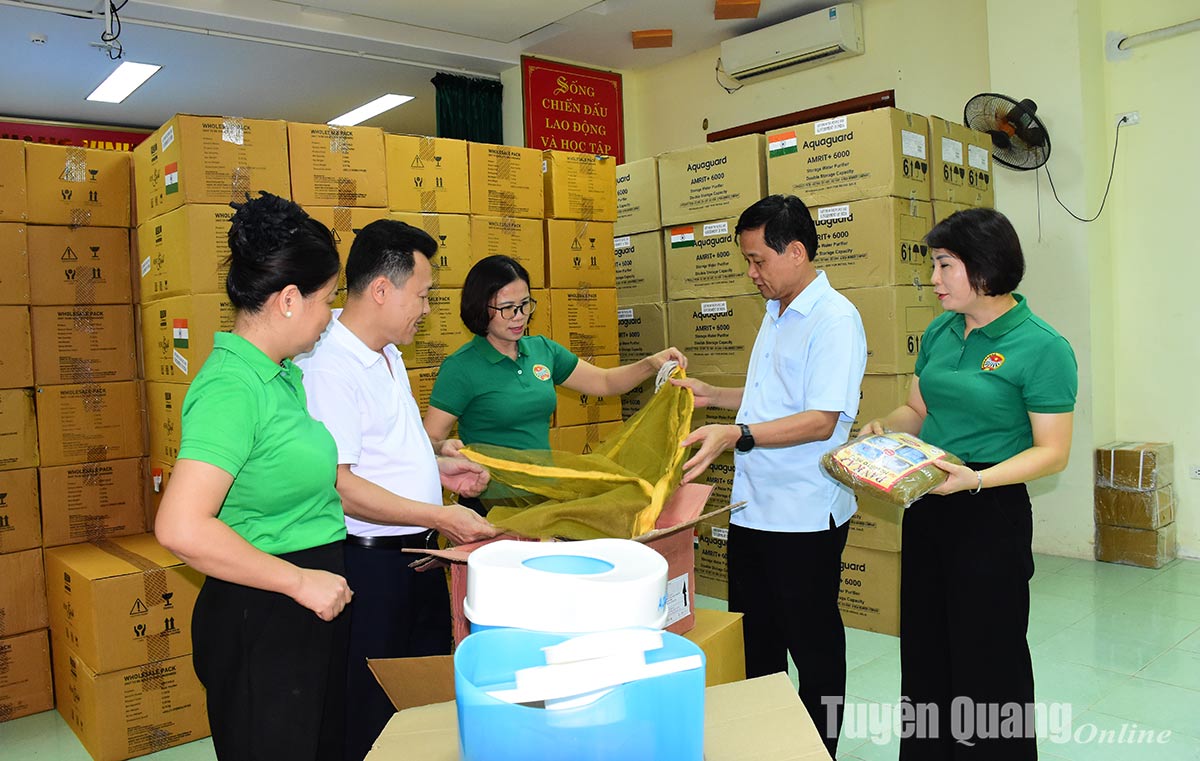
20, 518
878, 396
209, 159
14, 203
875, 241
960, 164
640, 269
884, 152
1137, 465
452, 232
637, 197
894, 318
16, 348
641, 331
427, 174
717, 415
184, 251
337, 166
876, 525
519, 238
78, 186
79, 265
26, 686
93, 500
712, 181
131, 712
506, 181
705, 261
83, 344
716, 334
121, 602
639, 396
18, 429
164, 402
943, 209
14, 263
579, 254
584, 320
575, 408
1135, 509
712, 534
177, 334
579, 186
22, 593
1148, 548
581, 439
345, 222
441, 332
870, 594
90, 422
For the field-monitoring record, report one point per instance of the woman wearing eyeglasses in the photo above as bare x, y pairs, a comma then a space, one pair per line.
499, 386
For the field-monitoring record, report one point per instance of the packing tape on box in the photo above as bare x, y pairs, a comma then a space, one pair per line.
587, 206
233, 130
339, 140
154, 587
239, 183
1112, 460
347, 191
75, 166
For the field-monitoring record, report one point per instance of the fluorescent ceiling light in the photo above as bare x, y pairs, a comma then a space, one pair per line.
374, 108
128, 77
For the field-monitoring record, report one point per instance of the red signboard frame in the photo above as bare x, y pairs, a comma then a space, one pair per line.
572, 108
74, 135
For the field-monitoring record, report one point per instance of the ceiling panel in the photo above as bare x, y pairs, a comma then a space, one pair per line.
500, 21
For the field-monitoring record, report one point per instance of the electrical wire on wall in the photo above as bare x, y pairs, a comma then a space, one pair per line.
717, 72
112, 30
1111, 169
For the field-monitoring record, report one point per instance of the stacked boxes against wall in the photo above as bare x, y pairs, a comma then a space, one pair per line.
581, 208
1135, 504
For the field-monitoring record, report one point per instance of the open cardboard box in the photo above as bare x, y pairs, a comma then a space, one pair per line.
683, 509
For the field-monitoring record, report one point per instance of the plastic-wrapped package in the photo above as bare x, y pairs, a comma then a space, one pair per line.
895, 467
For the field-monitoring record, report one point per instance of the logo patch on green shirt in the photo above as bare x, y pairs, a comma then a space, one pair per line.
992, 362
541, 372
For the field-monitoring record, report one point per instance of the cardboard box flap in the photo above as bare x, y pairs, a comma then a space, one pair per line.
429, 733
411, 682
766, 709
116, 557
658, 532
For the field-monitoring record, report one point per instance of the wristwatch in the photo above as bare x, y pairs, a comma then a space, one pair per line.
746, 441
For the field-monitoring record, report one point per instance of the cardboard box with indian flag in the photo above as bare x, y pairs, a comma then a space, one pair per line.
177, 334
704, 261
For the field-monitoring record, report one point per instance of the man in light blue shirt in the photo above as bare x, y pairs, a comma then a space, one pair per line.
801, 395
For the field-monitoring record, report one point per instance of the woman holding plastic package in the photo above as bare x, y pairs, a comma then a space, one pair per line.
252, 504
996, 386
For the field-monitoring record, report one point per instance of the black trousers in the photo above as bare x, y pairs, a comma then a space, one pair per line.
786, 586
274, 671
964, 614
396, 613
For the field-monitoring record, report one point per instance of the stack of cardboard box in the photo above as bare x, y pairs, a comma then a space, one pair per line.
1135, 504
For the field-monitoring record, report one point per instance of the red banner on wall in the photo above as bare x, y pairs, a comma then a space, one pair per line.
76, 135
570, 108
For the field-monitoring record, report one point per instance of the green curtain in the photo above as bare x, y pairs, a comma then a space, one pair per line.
469, 108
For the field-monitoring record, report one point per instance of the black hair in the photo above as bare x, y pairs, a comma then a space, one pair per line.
273, 243
485, 278
386, 247
783, 219
988, 246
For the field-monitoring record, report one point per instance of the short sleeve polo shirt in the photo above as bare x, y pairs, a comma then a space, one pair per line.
498, 400
248, 416
979, 391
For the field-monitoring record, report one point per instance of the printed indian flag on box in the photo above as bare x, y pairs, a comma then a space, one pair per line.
179, 334
682, 237
781, 144
171, 178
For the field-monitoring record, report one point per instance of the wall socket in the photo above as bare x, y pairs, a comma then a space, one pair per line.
1195, 472
1131, 118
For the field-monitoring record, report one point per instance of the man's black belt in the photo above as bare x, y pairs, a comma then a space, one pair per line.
420, 540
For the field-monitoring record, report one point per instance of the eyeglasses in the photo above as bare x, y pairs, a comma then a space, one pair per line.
509, 311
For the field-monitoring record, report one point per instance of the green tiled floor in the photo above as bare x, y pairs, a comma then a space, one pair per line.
1121, 645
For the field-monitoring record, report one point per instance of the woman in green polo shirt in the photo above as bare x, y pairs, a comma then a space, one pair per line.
252, 504
499, 386
996, 386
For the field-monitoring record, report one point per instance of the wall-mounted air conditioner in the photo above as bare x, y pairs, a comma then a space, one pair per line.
809, 40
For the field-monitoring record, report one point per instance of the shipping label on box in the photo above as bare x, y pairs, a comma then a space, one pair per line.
584, 321
579, 186
18, 429
960, 164
22, 593
506, 181
16, 348
26, 686
640, 269
122, 601
704, 261
873, 242
1136, 465
427, 174
876, 525
79, 265
344, 222
712, 181
637, 197
641, 331
14, 263
337, 166
14, 203
83, 344
894, 318
1147, 548
579, 254
1135, 509
884, 152
164, 401
78, 186
519, 238
878, 396
581, 439
452, 233
20, 518
90, 422
209, 160
716, 335
184, 251
870, 593
94, 500
177, 334
441, 331
575, 408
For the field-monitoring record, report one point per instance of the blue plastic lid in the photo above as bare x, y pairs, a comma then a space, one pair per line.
572, 564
